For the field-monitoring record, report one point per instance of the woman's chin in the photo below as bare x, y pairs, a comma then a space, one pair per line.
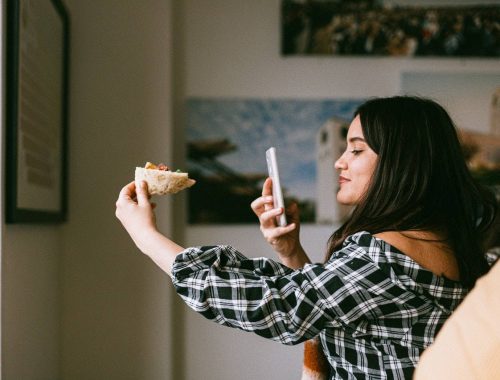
344, 201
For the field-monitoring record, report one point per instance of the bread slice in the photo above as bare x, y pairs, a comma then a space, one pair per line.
163, 182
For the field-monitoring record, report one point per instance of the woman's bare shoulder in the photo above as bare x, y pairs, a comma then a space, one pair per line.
426, 248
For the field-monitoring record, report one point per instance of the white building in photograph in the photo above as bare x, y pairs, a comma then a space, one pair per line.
330, 144
495, 113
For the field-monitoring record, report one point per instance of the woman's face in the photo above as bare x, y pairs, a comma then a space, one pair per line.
356, 166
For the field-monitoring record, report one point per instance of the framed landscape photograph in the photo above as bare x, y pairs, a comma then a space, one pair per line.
37, 111
226, 148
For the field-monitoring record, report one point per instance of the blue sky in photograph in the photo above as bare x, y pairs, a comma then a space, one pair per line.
254, 125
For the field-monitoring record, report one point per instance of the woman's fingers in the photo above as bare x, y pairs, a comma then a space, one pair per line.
267, 191
267, 188
265, 202
128, 191
131, 193
142, 194
261, 204
272, 235
126, 196
268, 218
264, 208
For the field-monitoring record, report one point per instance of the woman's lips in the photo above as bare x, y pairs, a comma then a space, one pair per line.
343, 180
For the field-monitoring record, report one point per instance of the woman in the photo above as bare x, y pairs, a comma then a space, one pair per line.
394, 272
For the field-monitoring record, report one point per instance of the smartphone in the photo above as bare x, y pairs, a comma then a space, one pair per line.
272, 168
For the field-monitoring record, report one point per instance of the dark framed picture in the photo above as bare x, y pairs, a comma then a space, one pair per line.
36, 111
399, 28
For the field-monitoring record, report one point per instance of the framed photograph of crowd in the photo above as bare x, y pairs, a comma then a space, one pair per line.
396, 28
226, 144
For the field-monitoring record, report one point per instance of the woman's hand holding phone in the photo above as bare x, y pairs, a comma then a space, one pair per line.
284, 240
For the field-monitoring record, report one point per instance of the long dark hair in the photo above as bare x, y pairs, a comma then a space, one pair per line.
421, 181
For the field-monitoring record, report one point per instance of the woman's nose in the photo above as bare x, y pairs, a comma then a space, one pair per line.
340, 164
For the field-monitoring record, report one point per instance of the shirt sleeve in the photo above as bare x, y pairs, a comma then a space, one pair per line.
290, 306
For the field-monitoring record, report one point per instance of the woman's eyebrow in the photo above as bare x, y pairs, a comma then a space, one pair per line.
356, 138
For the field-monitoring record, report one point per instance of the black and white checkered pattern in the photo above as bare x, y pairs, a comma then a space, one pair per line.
374, 308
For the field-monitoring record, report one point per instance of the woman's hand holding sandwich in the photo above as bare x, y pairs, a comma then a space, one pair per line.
284, 240
135, 212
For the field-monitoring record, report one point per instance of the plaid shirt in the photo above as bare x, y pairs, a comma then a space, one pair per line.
374, 308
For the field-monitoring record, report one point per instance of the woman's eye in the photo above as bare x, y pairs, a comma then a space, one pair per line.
356, 151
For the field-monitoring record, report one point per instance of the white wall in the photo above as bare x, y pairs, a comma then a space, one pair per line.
231, 49
78, 301
30, 302
116, 321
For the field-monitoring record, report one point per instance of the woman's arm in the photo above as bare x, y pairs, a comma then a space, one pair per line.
135, 212
291, 306
284, 240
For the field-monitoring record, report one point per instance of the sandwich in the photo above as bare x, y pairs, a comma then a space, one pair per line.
161, 180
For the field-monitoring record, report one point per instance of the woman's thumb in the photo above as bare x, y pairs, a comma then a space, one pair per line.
142, 193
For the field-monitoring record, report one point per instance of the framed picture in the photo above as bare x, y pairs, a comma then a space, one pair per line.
226, 143
37, 111
399, 28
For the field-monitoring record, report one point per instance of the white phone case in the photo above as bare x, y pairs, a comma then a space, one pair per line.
272, 167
